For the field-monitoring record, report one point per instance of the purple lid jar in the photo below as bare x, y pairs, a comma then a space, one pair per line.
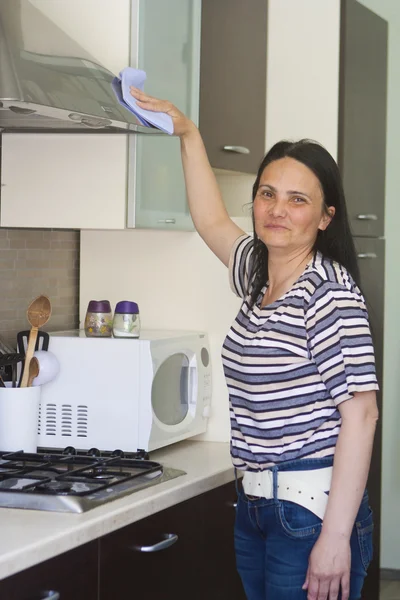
126, 322
127, 307
98, 320
99, 306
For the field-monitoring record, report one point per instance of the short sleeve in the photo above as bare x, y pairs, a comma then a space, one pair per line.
340, 342
240, 265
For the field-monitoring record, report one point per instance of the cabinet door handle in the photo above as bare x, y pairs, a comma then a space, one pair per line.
367, 217
47, 595
367, 255
232, 504
169, 540
166, 221
237, 149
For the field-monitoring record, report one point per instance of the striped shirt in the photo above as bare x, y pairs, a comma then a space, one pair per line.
288, 365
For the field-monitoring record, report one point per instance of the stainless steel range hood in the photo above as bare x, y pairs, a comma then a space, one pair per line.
48, 83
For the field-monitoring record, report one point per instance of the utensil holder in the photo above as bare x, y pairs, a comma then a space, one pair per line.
19, 414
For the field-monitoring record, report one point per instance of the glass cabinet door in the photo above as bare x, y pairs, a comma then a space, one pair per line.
167, 35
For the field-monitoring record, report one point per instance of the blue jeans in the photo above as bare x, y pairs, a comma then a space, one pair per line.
274, 539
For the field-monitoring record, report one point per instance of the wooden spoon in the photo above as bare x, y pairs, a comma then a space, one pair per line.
34, 369
38, 314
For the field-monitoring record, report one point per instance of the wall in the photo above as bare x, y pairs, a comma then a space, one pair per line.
390, 10
34, 262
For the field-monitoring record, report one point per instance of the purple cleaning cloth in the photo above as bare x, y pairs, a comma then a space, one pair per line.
148, 118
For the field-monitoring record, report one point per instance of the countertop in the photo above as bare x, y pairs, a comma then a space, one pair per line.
29, 537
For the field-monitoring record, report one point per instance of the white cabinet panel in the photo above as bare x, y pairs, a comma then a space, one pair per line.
63, 181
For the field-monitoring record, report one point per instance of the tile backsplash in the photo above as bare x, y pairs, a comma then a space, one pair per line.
34, 262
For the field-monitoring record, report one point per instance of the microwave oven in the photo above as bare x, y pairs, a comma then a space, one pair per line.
124, 393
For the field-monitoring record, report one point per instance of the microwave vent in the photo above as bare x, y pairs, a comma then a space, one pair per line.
53, 418
66, 420
82, 421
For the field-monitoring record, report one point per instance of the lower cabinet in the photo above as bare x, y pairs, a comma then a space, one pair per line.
185, 551
69, 576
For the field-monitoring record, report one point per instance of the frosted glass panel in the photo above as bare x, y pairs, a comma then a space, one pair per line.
169, 51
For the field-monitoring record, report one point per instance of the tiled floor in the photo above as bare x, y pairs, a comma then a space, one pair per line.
390, 590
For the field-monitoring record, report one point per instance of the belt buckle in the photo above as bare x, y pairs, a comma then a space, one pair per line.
267, 484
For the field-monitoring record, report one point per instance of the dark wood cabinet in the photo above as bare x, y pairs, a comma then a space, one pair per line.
362, 116
233, 72
69, 576
197, 561
199, 564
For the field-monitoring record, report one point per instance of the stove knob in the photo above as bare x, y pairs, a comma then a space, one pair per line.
94, 452
69, 450
118, 453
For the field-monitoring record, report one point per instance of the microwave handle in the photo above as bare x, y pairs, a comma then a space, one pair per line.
192, 385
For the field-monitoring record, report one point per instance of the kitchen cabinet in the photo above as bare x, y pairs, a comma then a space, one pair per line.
233, 83
292, 70
362, 123
267, 74
69, 576
199, 564
110, 181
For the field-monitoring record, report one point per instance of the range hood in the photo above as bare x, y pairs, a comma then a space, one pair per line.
48, 83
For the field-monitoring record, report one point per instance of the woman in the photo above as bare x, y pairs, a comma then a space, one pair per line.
299, 366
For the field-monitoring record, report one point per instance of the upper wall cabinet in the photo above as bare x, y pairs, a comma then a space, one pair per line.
111, 181
267, 74
169, 51
233, 82
293, 69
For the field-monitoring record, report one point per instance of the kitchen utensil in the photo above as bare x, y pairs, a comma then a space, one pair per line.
5, 348
11, 360
42, 341
34, 369
49, 367
38, 314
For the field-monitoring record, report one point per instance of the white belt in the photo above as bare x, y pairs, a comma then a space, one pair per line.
307, 488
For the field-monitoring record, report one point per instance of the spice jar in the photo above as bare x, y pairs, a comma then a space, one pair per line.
126, 322
98, 320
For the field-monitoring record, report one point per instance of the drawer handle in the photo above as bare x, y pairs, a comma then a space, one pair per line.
47, 595
237, 149
166, 221
367, 217
169, 540
367, 255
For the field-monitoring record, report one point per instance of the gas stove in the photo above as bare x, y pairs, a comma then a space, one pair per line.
75, 481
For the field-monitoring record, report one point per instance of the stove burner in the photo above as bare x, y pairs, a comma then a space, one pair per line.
72, 480
101, 473
55, 487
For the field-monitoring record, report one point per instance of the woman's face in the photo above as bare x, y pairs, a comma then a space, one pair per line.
289, 206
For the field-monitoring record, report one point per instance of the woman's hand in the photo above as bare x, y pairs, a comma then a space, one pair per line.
182, 125
329, 569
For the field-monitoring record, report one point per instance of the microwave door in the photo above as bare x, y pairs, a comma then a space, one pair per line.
172, 393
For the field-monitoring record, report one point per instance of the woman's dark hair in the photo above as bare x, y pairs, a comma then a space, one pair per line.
336, 241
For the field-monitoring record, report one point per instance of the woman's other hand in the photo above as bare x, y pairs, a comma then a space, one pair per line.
329, 569
182, 124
